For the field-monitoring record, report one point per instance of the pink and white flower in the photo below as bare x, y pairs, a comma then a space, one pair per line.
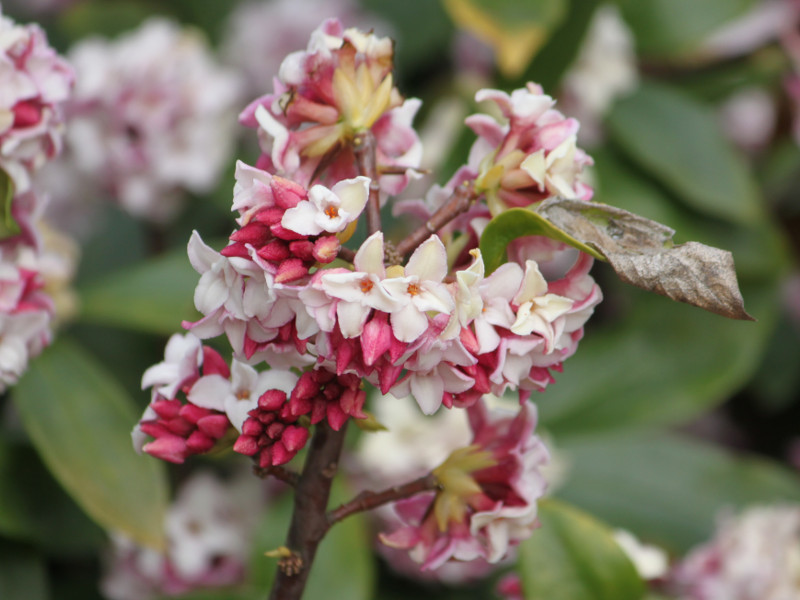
36, 82
487, 498
151, 117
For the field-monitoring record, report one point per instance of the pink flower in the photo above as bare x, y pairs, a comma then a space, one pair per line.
340, 86
151, 117
35, 83
531, 157
487, 497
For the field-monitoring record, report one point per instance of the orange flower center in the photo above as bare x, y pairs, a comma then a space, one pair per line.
366, 285
332, 211
413, 289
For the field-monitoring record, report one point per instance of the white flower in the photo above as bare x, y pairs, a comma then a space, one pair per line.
330, 210
539, 311
362, 290
239, 394
420, 290
183, 356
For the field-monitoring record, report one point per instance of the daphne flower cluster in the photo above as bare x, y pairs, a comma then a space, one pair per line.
151, 117
208, 528
340, 85
420, 318
35, 82
487, 496
754, 555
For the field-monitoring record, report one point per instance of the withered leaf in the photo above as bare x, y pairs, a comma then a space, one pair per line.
642, 253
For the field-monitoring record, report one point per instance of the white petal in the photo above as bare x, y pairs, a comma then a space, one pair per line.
201, 255
353, 195
302, 218
429, 261
408, 323
369, 258
210, 392
427, 391
533, 284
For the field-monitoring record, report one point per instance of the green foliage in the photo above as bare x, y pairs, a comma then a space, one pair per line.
23, 575
80, 420
575, 557
671, 29
677, 141
667, 489
516, 223
152, 296
8, 225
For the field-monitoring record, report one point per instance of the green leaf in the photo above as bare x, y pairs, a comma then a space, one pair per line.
515, 29
664, 364
673, 28
35, 509
677, 141
666, 489
79, 420
574, 557
8, 225
153, 296
23, 575
558, 54
515, 223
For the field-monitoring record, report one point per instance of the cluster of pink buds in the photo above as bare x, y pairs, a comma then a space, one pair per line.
421, 317
35, 82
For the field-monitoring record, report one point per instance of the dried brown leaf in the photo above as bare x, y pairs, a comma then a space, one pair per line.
641, 252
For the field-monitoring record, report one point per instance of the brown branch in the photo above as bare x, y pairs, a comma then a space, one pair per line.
458, 202
368, 500
347, 254
309, 519
285, 475
364, 150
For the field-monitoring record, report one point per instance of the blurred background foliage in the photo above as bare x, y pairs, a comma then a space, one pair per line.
663, 417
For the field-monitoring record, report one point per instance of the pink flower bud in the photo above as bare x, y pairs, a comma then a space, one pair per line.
199, 442
376, 339
254, 233
290, 270
280, 455
271, 400
214, 364
274, 250
326, 248
169, 447
246, 445
294, 437
166, 409
302, 249
287, 193
336, 416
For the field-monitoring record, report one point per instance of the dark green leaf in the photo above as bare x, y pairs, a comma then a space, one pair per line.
556, 56
665, 364
574, 557
23, 575
34, 508
519, 222
80, 420
153, 296
678, 141
666, 489
673, 28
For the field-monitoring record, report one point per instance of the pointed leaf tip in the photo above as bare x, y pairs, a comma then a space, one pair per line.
641, 252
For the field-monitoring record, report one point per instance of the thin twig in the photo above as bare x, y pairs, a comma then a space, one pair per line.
368, 500
346, 254
364, 151
284, 475
458, 202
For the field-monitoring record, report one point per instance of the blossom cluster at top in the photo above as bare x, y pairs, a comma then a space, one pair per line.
35, 82
419, 317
